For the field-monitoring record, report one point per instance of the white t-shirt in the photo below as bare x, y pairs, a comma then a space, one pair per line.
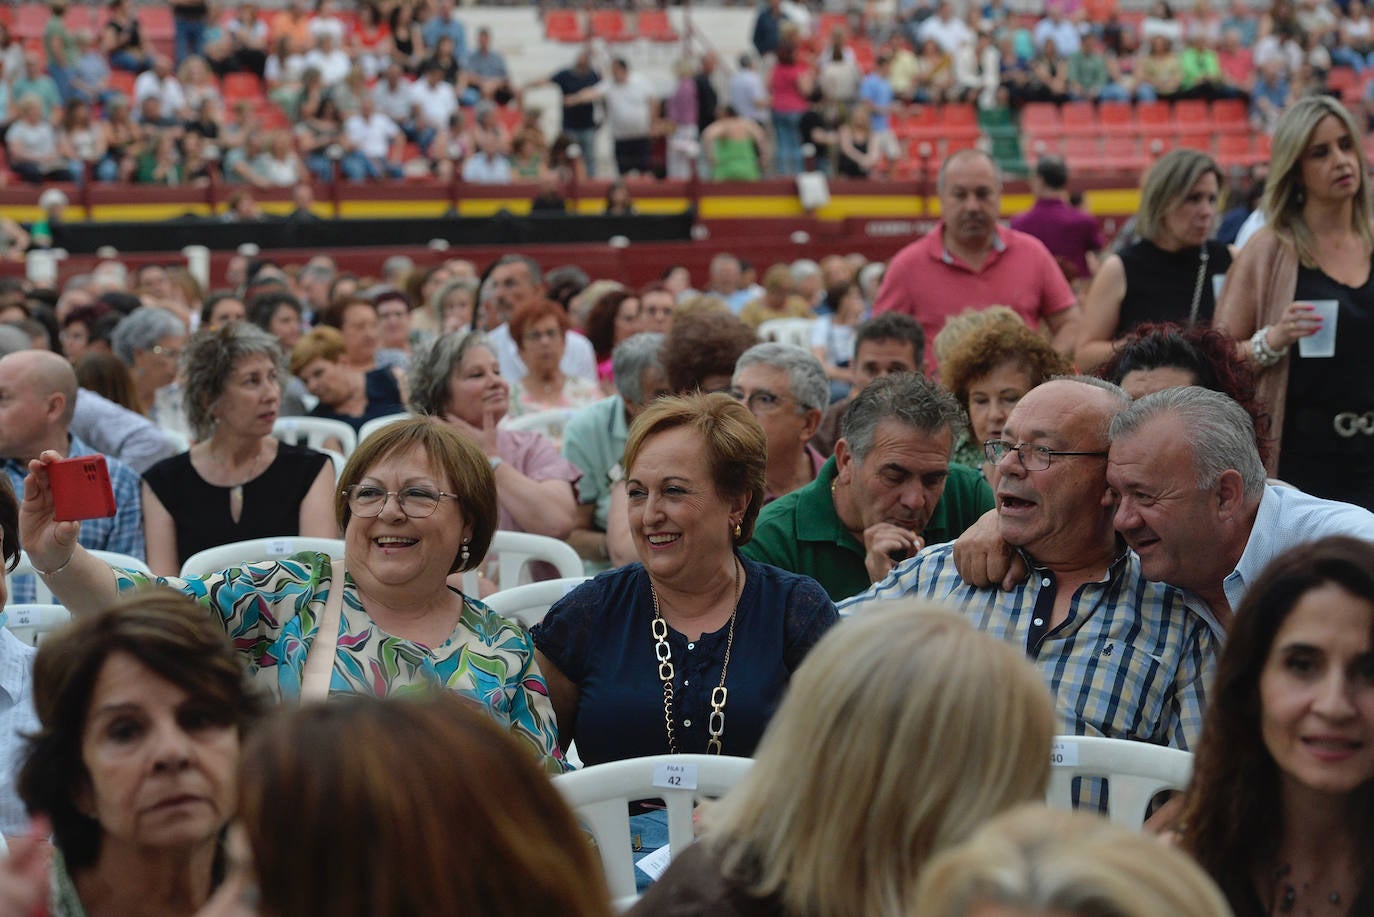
437, 103
333, 65
168, 90
627, 106
371, 136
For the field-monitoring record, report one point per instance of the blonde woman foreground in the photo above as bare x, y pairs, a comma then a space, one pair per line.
868, 770
1035, 861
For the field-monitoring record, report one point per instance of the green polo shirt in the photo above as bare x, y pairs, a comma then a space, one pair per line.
802, 532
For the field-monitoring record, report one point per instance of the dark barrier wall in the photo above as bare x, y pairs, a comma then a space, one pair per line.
502, 229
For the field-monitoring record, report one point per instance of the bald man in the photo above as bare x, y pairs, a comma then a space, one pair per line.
968, 261
37, 397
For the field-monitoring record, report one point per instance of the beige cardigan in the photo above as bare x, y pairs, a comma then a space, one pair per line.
1261, 283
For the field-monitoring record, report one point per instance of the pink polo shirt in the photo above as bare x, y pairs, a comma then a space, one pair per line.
928, 283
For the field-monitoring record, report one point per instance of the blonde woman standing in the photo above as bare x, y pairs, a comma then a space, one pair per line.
1318, 244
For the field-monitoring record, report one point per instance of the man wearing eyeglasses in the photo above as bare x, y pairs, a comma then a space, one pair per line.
889, 490
1124, 657
786, 389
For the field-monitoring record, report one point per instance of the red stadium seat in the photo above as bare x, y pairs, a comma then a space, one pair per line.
1234, 151
155, 22
609, 25
958, 121
1081, 153
1153, 117
122, 81
1079, 119
1230, 116
1198, 139
1191, 115
918, 122
29, 20
1039, 119
563, 25
655, 26
1344, 82
1120, 153
237, 86
1116, 118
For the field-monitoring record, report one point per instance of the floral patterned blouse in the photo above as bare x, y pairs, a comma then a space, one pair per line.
271, 612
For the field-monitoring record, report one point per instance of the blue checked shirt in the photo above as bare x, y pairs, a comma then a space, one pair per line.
122, 532
1132, 660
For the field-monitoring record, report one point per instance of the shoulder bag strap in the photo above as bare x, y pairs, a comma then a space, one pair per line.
319, 660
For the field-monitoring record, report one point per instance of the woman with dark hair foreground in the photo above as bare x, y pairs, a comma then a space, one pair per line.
1280, 810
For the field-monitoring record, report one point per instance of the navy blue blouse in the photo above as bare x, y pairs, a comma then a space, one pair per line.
599, 637
383, 398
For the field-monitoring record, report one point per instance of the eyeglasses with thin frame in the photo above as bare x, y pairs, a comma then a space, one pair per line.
367, 500
172, 353
1033, 456
761, 401
548, 334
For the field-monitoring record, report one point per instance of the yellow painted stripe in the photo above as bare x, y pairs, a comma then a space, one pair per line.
1105, 201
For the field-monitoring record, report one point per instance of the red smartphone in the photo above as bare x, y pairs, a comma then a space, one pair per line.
81, 488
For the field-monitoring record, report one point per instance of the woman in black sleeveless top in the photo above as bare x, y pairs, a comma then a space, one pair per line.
1166, 276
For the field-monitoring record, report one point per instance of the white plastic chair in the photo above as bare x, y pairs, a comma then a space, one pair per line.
529, 603
600, 796
376, 423
43, 595
1134, 771
31, 622
794, 331
315, 432
224, 556
550, 422
515, 549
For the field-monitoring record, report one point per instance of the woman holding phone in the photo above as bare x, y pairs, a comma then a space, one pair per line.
1318, 245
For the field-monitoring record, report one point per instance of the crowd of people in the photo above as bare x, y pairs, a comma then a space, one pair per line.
1020, 483
396, 88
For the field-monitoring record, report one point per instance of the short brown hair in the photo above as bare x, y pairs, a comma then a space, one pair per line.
704, 344
332, 315
9, 524
352, 771
452, 455
323, 343
735, 444
163, 630
531, 313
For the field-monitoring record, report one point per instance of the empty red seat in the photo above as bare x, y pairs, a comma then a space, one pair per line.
655, 26
1230, 116
958, 121
1115, 118
609, 25
563, 25
1079, 119
1039, 119
237, 86
1153, 117
1191, 114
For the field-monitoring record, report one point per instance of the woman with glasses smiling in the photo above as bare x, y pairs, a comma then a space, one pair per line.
416, 503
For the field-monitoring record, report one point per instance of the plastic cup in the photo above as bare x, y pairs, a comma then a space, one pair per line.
1323, 343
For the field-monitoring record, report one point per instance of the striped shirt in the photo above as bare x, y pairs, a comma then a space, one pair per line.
1132, 660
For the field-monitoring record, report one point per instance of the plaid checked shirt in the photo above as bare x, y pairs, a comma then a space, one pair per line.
1132, 660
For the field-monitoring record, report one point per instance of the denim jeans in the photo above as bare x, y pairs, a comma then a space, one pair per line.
648, 832
189, 37
787, 136
586, 138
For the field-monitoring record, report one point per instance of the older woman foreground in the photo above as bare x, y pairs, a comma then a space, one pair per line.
416, 503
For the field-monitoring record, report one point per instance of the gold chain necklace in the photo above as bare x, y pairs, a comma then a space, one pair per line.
715, 727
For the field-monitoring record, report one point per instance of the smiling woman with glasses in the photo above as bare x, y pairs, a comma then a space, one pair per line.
538, 329
416, 504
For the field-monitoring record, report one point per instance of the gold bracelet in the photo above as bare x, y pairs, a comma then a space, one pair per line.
66, 563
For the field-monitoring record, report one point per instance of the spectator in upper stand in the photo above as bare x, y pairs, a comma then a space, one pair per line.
1071, 235
876, 90
1159, 73
35, 82
1049, 76
747, 94
60, 46
708, 97
978, 71
279, 164
1202, 76
245, 36
90, 72
486, 165
160, 83
487, 70
374, 144
435, 102
1161, 21
444, 23
1237, 62
1269, 96
579, 112
447, 60
1057, 27
946, 29
392, 96
790, 84
198, 84
31, 143
190, 19
324, 23
330, 59
80, 141
630, 104
121, 40
681, 112
1094, 75
768, 28
1242, 19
